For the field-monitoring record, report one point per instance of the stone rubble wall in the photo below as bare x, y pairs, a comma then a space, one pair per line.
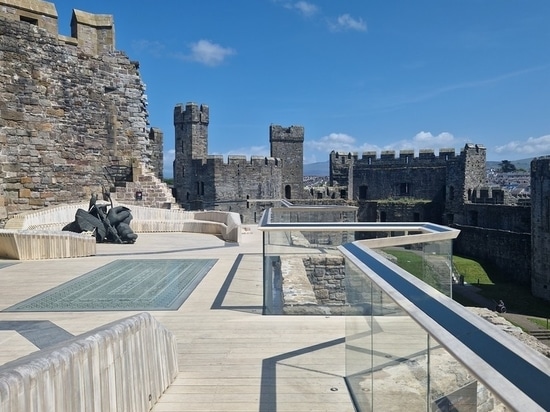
327, 273
313, 284
64, 115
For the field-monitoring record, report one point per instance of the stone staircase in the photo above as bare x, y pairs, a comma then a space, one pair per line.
541, 334
146, 190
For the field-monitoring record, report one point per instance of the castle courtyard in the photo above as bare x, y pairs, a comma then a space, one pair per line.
230, 356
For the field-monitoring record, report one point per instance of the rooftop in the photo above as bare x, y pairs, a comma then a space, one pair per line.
230, 357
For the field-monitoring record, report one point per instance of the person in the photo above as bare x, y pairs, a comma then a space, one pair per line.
500, 307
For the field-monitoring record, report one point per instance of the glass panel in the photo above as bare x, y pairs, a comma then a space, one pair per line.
430, 262
386, 351
452, 386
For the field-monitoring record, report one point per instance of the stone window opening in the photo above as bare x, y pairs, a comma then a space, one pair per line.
451, 193
473, 217
363, 189
343, 194
404, 189
29, 20
288, 192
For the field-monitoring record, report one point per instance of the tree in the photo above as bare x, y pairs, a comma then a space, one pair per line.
506, 166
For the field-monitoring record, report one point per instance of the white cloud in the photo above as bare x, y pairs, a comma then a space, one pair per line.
346, 22
154, 48
533, 146
428, 138
341, 142
305, 8
208, 53
249, 151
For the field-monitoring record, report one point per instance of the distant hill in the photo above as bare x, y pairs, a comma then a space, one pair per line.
524, 164
317, 169
322, 168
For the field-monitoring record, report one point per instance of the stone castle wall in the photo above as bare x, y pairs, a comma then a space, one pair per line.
540, 234
509, 252
65, 111
241, 185
233, 185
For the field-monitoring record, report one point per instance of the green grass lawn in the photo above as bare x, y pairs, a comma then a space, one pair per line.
544, 323
517, 297
413, 263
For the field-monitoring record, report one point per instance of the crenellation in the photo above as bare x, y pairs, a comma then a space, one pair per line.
446, 153
92, 33
426, 154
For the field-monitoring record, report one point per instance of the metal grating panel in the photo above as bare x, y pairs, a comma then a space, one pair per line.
144, 284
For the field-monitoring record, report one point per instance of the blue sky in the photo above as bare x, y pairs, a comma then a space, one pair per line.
358, 75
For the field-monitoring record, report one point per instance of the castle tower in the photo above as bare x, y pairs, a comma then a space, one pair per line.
287, 143
191, 140
540, 227
340, 164
465, 174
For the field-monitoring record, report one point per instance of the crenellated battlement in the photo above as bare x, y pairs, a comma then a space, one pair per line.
93, 34
242, 160
405, 156
408, 156
191, 113
286, 134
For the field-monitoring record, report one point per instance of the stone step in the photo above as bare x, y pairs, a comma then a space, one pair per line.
540, 334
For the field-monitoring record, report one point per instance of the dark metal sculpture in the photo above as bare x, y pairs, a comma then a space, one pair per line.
110, 225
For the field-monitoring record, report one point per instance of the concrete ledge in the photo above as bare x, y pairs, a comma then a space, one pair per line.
43, 244
20, 239
122, 366
297, 291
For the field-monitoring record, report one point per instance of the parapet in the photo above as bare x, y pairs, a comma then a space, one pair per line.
339, 155
191, 113
94, 34
540, 167
470, 147
242, 160
286, 134
39, 13
405, 156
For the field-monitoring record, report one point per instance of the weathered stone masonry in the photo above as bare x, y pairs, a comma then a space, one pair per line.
241, 185
69, 106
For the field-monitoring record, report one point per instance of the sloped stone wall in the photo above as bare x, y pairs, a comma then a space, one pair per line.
64, 115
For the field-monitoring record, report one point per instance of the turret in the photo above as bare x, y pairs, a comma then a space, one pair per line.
287, 143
